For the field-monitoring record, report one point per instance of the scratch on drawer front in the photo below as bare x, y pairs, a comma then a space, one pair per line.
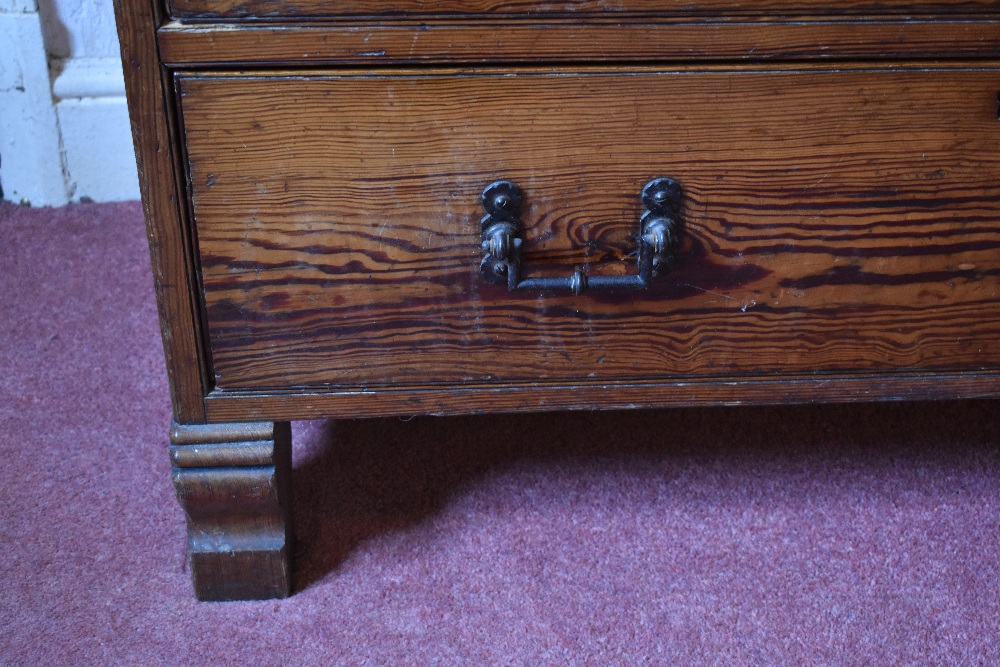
708, 291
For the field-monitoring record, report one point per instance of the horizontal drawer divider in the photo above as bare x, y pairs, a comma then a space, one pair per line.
232, 44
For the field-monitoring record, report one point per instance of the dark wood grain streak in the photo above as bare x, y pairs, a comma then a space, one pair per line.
280, 9
387, 43
834, 221
155, 144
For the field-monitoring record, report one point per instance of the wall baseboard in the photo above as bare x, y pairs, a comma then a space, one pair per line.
98, 155
66, 138
88, 77
97, 149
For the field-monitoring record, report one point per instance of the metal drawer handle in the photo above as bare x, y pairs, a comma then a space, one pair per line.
502, 240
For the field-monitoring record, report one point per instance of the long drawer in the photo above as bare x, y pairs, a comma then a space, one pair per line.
830, 222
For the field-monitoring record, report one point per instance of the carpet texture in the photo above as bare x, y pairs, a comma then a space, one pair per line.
814, 535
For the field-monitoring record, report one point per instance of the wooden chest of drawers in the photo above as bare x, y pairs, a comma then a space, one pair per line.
398, 207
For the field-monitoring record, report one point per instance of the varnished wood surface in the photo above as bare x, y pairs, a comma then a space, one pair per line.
236, 495
151, 114
276, 9
835, 221
386, 42
196, 434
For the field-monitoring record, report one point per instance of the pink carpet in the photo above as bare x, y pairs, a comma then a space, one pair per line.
843, 535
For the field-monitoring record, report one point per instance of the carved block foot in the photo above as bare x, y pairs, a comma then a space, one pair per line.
234, 483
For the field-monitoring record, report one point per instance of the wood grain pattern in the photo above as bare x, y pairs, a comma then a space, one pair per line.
835, 221
236, 495
150, 110
272, 9
386, 42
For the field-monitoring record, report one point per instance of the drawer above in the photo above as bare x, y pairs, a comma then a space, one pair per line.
831, 222
279, 9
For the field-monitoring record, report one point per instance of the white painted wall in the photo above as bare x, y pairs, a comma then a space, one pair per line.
61, 78
30, 159
79, 28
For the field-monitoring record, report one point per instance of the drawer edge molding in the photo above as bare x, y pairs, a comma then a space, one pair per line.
409, 401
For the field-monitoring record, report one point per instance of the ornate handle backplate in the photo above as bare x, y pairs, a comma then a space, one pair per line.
502, 240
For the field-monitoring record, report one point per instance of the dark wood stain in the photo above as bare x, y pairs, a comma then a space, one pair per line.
234, 483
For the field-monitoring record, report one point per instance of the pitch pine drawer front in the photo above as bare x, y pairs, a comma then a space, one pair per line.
829, 222
278, 9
